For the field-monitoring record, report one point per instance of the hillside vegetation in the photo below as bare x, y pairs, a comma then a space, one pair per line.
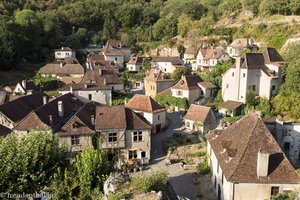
30, 29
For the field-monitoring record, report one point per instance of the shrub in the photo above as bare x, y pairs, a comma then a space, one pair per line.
232, 119
199, 154
203, 167
156, 181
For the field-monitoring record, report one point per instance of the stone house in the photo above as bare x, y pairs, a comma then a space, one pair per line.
11, 113
167, 64
68, 67
150, 109
25, 87
135, 63
194, 89
200, 118
114, 55
88, 92
120, 45
246, 162
209, 57
64, 52
235, 48
231, 108
260, 72
156, 82
126, 131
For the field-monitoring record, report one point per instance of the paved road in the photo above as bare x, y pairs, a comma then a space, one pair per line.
181, 180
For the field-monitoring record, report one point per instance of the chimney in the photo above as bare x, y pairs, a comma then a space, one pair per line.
104, 81
24, 84
71, 88
262, 163
125, 101
62, 48
86, 85
50, 120
60, 107
100, 72
93, 119
61, 64
44, 100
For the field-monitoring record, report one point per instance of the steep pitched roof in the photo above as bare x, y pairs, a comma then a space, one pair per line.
39, 118
4, 131
207, 85
64, 49
188, 82
81, 122
110, 117
239, 43
99, 73
115, 44
237, 147
157, 75
211, 53
231, 105
66, 67
17, 109
113, 52
144, 103
197, 113
271, 55
136, 121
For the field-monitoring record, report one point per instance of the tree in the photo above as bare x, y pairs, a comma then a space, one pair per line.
181, 50
178, 73
251, 98
28, 163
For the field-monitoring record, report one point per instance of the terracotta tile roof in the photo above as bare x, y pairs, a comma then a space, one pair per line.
239, 43
237, 147
197, 113
17, 109
231, 105
113, 52
136, 60
39, 118
271, 55
212, 53
110, 117
136, 121
188, 82
4, 131
97, 60
99, 73
115, 44
95, 57
69, 80
144, 103
207, 85
85, 87
173, 60
166, 91
81, 122
64, 68
157, 75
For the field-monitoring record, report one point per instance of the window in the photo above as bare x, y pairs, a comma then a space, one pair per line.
179, 93
67, 54
138, 136
232, 74
242, 97
112, 137
287, 148
187, 124
158, 117
244, 75
222, 179
273, 87
116, 58
274, 191
227, 86
90, 97
218, 168
132, 154
143, 154
253, 87
165, 69
58, 54
74, 125
75, 140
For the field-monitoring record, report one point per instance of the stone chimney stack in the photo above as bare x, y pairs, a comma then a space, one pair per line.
60, 107
71, 88
50, 120
24, 84
104, 81
61, 64
100, 72
45, 100
93, 119
262, 163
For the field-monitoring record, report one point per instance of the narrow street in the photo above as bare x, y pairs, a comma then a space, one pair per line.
180, 179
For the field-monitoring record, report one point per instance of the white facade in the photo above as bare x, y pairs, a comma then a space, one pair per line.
191, 95
165, 67
117, 59
63, 53
242, 191
133, 67
236, 81
99, 96
19, 88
